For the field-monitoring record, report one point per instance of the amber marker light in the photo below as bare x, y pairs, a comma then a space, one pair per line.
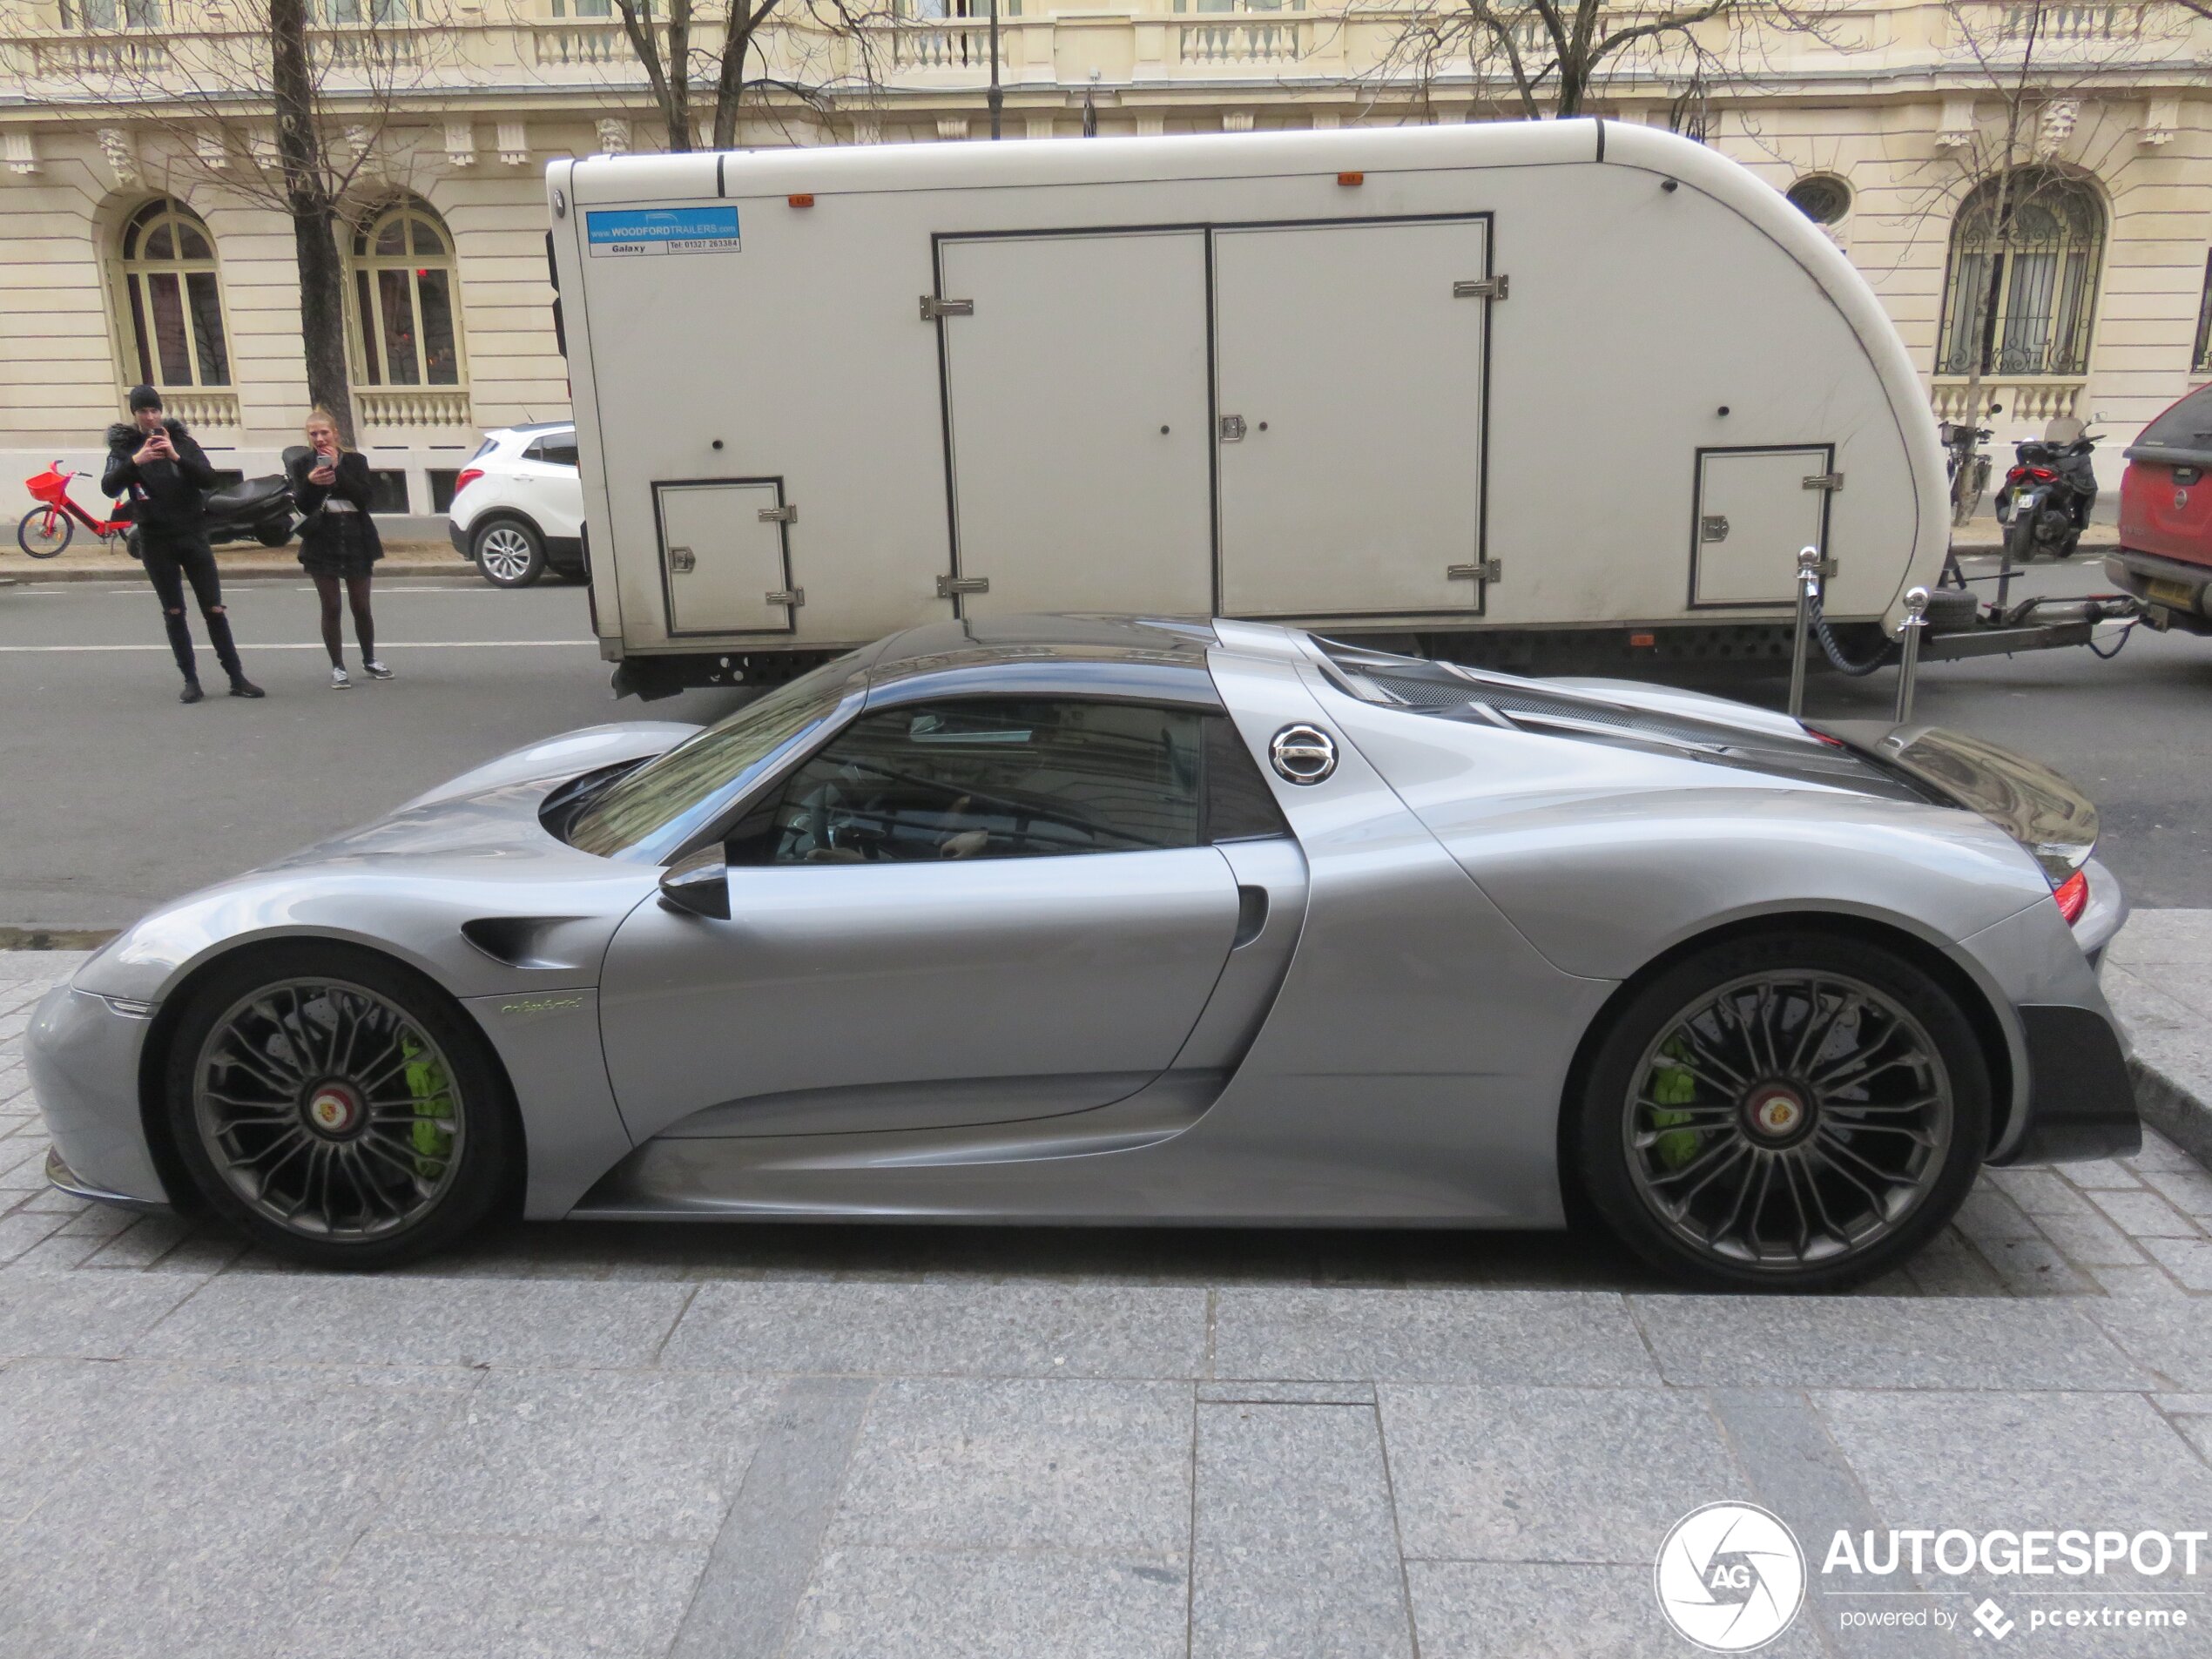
804, 199
1351, 178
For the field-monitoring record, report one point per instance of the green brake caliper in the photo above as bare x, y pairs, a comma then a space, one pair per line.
1673, 1086
432, 1100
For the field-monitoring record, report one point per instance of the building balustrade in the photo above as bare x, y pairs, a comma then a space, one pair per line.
1145, 46
2021, 399
411, 405
201, 407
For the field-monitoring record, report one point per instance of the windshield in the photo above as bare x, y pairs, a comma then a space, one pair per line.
648, 814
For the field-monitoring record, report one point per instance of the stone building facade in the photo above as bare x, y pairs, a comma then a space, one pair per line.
133, 249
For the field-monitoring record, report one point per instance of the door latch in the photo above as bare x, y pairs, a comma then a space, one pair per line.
1481, 571
933, 309
950, 586
1824, 481
794, 596
1713, 528
681, 561
1232, 428
785, 514
1481, 288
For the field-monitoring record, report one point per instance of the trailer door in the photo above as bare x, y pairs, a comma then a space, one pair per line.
1350, 405
725, 564
1075, 420
1756, 510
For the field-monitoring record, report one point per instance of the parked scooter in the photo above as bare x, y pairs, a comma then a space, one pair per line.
253, 509
2044, 503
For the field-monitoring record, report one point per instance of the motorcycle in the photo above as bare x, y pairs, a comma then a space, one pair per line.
1961, 448
252, 510
2044, 503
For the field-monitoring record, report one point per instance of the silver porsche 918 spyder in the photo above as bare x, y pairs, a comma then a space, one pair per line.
1055, 920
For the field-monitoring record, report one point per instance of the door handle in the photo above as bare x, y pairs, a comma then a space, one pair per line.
1252, 915
682, 560
1232, 428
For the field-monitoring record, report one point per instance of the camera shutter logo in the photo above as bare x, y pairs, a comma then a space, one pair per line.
1731, 1577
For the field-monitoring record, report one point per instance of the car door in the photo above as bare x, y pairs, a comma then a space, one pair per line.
551, 485
968, 911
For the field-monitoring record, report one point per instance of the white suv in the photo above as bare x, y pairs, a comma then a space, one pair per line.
518, 506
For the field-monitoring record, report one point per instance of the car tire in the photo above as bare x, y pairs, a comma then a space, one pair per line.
337, 1108
508, 553
1713, 1146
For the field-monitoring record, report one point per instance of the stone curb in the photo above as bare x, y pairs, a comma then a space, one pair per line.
123, 568
2173, 1108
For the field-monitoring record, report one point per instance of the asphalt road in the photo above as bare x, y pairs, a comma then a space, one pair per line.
116, 796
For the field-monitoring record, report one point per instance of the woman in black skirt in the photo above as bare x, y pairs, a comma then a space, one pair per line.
338, 541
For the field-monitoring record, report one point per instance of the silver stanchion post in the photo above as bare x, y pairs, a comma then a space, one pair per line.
1808, 596
1916, 622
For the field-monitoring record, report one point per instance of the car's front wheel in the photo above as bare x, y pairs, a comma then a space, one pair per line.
510, 553
1786, 1111
337, 1107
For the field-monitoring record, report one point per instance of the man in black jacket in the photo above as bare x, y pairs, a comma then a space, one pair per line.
160, 467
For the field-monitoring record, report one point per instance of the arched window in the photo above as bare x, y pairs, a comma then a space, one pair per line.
2022, 293
171, 298
405, 332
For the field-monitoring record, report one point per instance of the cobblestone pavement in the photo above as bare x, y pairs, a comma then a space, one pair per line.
758, 1439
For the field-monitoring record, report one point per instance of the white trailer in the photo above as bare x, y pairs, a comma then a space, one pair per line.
1427, 384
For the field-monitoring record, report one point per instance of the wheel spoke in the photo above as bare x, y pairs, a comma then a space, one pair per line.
370, 1180
1871, 1139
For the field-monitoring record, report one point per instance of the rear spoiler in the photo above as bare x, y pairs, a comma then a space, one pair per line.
2023, 798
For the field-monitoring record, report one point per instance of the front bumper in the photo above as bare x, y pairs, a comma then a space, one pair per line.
82, 1052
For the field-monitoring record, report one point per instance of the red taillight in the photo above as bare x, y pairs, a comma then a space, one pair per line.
468, 476
2072, 896
2041, 474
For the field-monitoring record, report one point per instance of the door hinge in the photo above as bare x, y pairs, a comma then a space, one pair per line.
788, 596
1481, 288
933, 307
948, 586
788, 514
1824, 481
1713, 528
1481, 571
682, 560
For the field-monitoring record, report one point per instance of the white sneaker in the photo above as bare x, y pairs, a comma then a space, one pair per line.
340, 680
376, 671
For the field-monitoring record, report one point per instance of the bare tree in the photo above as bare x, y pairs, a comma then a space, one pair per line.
695, 54
1538, 58
287, 110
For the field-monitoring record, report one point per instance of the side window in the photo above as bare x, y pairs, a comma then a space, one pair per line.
557, 448
990, 778
1239, 804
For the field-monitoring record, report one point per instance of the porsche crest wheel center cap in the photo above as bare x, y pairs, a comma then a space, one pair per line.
1777, 1112
334, 1109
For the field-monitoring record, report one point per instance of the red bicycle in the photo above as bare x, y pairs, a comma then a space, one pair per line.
46, 529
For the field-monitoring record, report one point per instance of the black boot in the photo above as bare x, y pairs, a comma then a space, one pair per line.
180, 648
241, 686
218, 635
192, 693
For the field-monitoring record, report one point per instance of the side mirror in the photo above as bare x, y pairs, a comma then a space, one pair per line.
698, 885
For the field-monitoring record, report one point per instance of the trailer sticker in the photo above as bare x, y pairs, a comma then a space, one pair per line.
663, 230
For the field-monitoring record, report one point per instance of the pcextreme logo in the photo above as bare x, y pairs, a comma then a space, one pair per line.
1731, 1577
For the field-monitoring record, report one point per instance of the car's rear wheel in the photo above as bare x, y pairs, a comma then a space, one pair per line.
510, 553
337, 1107
1786, 1111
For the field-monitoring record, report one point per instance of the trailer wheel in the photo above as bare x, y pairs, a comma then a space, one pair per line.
508, 553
